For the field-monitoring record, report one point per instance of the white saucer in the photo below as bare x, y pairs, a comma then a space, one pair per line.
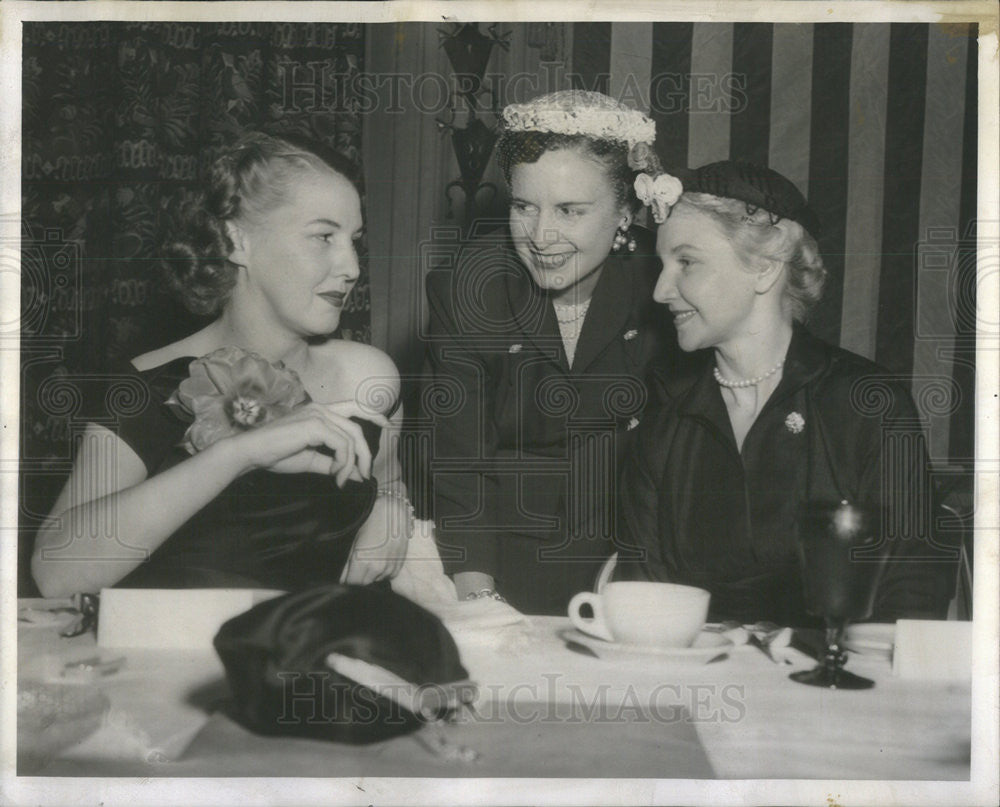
706, 645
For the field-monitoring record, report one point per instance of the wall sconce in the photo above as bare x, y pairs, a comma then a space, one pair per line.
469, 50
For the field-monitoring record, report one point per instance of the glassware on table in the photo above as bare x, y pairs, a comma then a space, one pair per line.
842, 557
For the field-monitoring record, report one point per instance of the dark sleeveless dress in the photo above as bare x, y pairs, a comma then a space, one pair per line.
265, 530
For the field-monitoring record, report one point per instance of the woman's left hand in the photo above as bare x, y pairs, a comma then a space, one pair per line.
380, 546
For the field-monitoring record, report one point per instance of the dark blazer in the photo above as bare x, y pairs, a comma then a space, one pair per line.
697, 510
526, 450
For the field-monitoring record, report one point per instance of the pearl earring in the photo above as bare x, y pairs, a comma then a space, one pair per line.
623, 238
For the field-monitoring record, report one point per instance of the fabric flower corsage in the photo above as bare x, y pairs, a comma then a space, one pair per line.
231, 391
795, 422
659, 193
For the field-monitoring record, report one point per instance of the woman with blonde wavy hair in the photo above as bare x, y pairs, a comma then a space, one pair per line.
261, 456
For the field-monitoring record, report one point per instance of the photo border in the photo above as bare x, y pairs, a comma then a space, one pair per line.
983, 787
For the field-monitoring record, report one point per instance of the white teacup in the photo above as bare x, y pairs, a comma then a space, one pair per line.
642, 613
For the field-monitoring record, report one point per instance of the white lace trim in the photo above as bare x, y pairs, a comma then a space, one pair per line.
570, 333
579, 112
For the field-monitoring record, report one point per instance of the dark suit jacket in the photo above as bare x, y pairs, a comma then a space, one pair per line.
526, 450
704, 513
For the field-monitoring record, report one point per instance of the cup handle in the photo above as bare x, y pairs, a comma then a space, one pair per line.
592, 627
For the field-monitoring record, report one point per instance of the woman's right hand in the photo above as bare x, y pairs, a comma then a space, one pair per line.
316, 438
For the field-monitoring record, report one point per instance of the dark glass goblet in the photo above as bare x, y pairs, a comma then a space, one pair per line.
842, 559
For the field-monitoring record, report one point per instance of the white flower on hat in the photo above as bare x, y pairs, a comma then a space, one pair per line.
659, 193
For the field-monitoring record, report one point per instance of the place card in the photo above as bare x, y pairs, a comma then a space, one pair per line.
932, 649
174, 618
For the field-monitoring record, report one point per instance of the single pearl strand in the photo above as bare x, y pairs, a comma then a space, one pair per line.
581, 311
746, 382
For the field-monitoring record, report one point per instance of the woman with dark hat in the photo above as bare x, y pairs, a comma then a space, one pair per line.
773, 417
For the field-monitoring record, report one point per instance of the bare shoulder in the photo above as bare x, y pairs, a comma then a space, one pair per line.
353, 370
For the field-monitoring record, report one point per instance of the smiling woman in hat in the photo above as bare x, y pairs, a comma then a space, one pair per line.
772, 417
540, 338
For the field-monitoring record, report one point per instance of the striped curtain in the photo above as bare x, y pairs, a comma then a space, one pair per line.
876, 124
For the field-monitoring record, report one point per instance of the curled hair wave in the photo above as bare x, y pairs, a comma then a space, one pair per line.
245, 181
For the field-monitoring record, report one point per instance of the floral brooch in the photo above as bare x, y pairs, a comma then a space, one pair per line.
795, 423
230, 391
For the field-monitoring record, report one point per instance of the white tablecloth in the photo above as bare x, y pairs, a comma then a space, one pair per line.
583, 716
542, 710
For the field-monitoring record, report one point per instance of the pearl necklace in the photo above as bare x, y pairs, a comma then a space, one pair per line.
745, 382
581, 311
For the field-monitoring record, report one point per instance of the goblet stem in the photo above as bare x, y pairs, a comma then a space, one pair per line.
835, 656
830, 671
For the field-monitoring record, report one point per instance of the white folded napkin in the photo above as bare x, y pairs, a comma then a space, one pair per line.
171, 618
478, 618
932, 649
422, 578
